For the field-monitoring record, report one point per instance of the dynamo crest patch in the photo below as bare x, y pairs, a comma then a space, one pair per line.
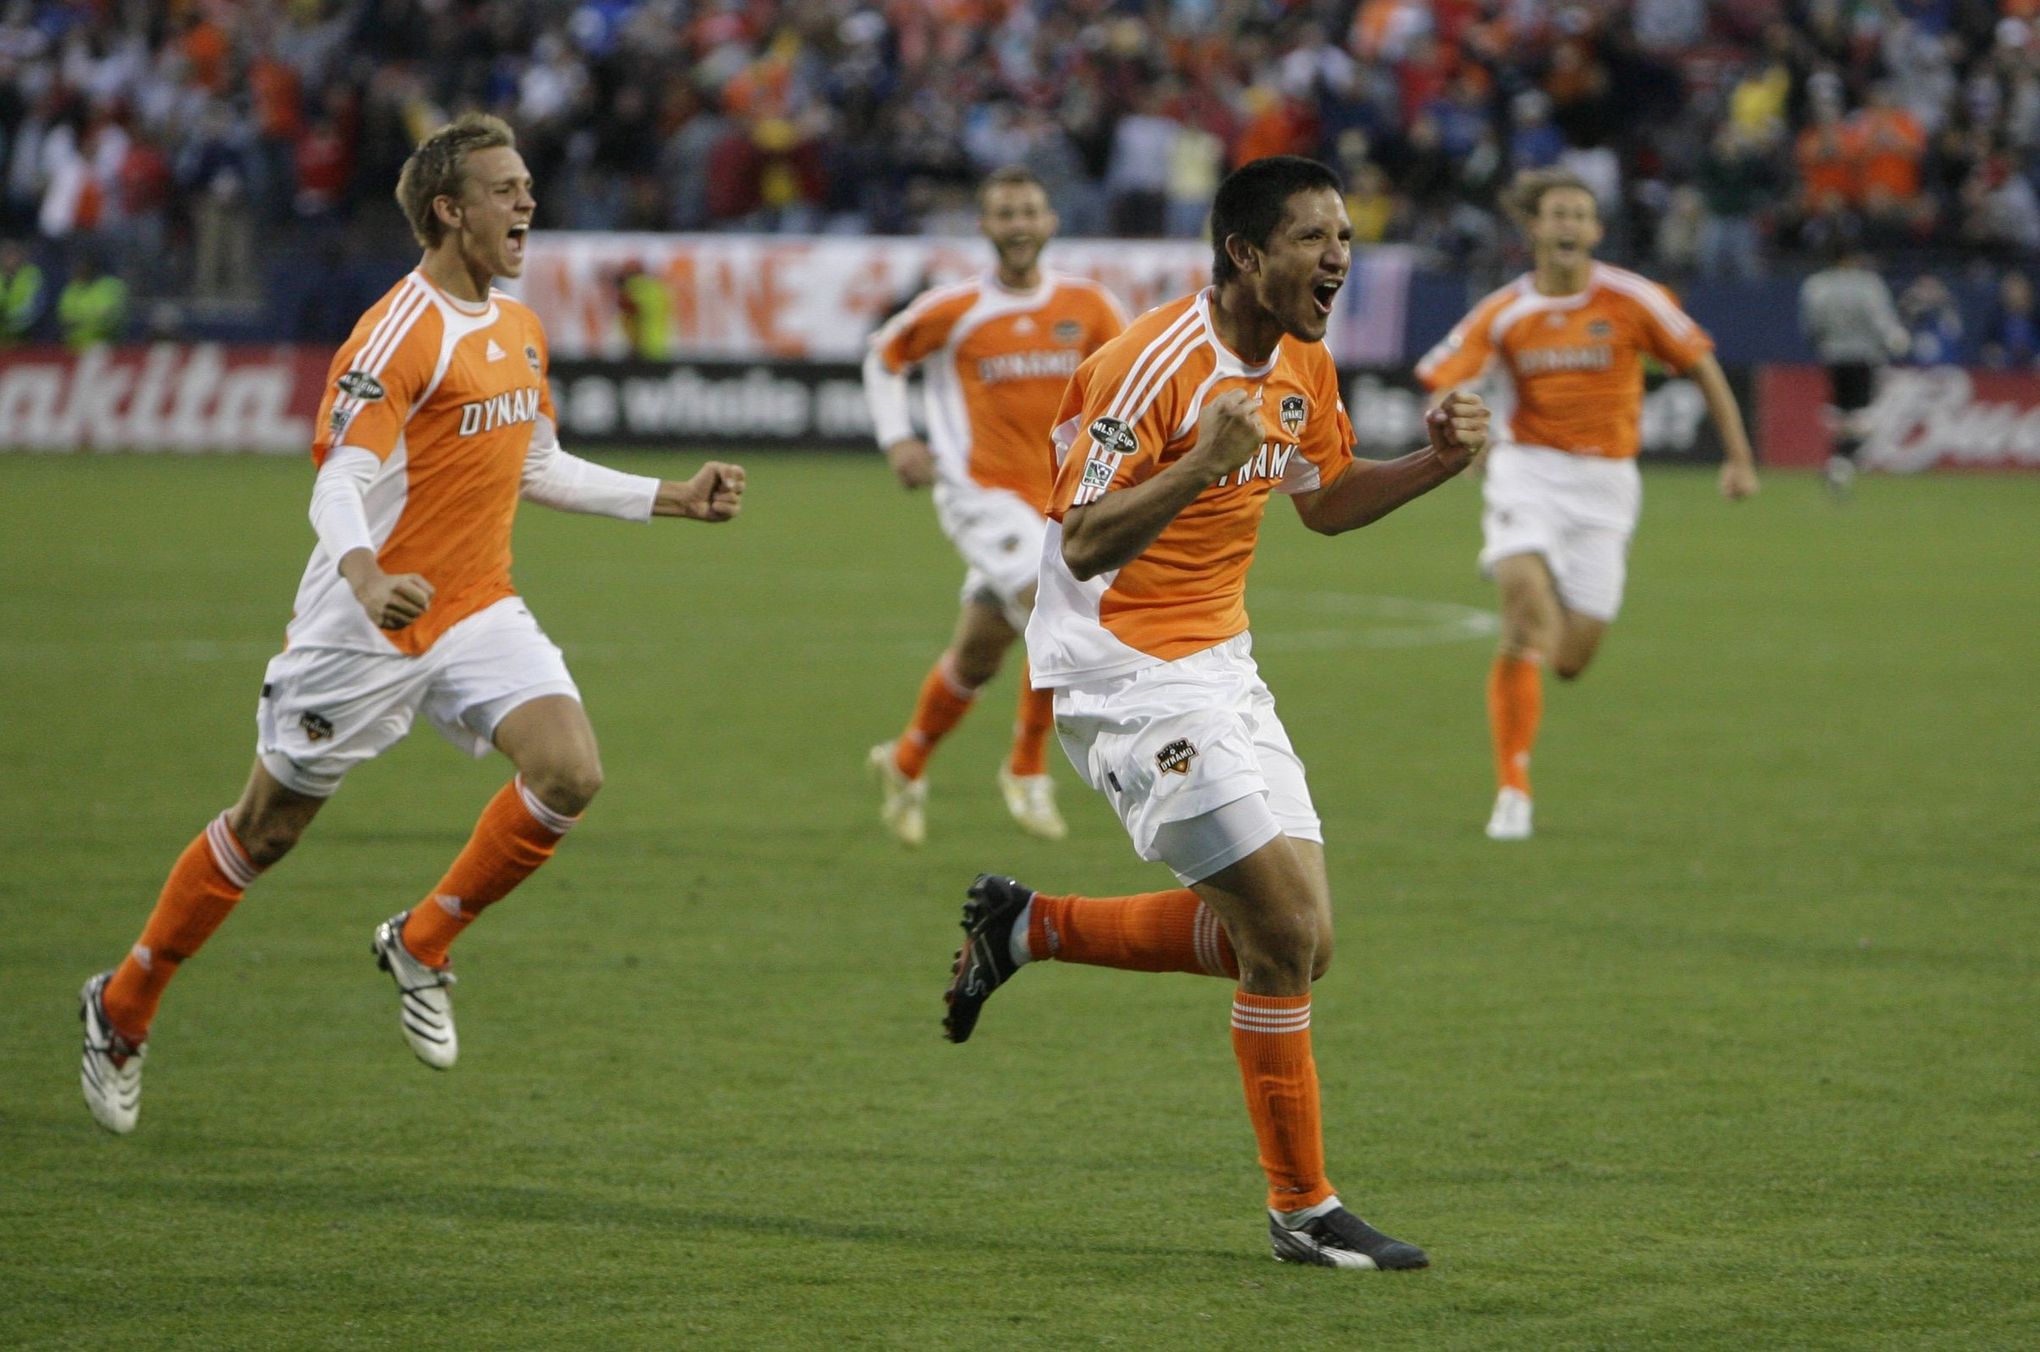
1175, 758
1293, 410
1114, 436
360, 385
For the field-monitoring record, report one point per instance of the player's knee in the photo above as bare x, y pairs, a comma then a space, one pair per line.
1570, 668
265, 841
1283, 949
975, 663
567, 787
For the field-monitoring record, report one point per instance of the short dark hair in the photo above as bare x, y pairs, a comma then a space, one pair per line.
1010, 176
1524, 197
1253, 199
438, 168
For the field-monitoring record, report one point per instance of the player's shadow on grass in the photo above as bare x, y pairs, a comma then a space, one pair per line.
511, 1205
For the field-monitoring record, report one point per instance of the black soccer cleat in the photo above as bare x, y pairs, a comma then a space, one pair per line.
985, 962
1340, 1239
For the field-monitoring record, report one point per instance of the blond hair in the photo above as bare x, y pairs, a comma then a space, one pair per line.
438, 168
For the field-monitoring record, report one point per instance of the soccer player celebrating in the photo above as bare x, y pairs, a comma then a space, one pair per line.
1562, 491
435, 422
995, 353
1170, 439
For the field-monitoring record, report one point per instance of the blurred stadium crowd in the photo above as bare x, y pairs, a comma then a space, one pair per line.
202, 153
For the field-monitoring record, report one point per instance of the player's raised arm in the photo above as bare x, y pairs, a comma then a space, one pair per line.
1739, 465
1370, 490
1113, 530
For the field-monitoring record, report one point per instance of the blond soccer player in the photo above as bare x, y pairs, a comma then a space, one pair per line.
994, 354
436, 421
1562, 492
1171, 440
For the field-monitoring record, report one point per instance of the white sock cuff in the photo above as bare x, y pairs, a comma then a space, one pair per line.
1205, 933
228, 856
1250, 1018
559, 823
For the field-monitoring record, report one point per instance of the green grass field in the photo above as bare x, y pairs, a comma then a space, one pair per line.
1740, 1052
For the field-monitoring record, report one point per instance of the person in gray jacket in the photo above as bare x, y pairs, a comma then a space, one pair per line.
1847, 313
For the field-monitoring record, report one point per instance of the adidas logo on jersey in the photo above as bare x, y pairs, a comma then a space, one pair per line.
493, 352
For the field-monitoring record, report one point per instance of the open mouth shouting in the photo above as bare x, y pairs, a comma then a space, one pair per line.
513, 244
1324, 291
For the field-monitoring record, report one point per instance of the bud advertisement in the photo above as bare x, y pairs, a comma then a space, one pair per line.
1931, 417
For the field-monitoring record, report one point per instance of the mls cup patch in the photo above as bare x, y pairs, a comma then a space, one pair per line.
360, 385
1293, 410
1115, 436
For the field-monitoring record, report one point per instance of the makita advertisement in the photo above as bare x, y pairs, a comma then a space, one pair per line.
193, 398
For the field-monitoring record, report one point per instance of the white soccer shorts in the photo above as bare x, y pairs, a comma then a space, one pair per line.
1578, 511
326, 710
999, 537
1180, 740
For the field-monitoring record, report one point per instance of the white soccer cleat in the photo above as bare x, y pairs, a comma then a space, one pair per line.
903, 802
1031, 800
1511, 817
111, 1074
424, 1008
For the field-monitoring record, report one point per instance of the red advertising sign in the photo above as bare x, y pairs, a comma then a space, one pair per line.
169, 397
1935, 417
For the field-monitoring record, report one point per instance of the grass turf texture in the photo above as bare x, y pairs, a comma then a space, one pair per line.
1738, 1052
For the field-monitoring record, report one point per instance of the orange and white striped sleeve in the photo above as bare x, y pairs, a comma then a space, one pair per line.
1461, 355
377, 377
1669, 333
921, 329
1118, 412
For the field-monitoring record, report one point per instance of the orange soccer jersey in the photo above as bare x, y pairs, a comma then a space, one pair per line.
447, 395
1130, 412
1575, 362
995, 362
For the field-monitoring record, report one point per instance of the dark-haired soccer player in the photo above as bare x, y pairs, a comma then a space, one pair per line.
1171, 438
1562, 492
995, 353
436, 420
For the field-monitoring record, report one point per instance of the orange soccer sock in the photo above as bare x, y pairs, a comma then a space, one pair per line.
515, 835
1030, 730
943, 702
1150, 932
1515, 696
1271, 1040
206, 881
